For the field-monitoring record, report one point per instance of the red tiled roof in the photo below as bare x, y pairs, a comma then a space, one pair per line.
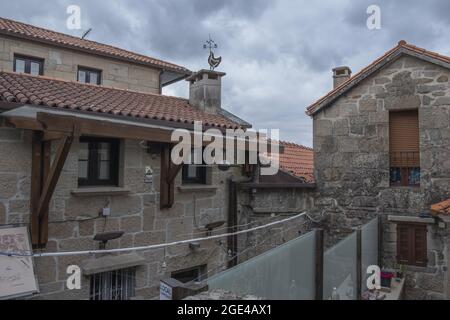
43, 91
441, 208
23, 30
298, 160
345, 86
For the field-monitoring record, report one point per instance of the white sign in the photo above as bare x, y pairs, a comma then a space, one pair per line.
16, 272
165, 291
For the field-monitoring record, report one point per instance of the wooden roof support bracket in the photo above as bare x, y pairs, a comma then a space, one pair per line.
49, 179
169, 171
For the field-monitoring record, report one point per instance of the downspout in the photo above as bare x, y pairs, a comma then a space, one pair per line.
232, 222
232, 241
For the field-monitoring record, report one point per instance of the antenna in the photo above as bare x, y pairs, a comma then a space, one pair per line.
86, 33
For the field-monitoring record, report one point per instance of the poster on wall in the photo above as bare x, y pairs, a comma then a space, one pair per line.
17, 278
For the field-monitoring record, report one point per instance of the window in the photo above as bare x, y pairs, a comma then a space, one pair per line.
404, 148
412, 244
194, 174
193, 274
87, 75
113, 285
98, 161
33, 66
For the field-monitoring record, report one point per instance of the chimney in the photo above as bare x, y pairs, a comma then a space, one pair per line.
205, 90
340, 75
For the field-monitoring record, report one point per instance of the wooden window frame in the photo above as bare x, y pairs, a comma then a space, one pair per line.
28, 60
414, 232
93, 166
88, 72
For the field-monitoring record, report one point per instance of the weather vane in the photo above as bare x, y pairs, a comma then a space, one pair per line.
213, 61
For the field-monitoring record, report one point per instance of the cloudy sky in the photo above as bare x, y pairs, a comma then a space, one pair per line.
278, 54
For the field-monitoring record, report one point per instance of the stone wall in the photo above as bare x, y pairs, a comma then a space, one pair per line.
63, 64
351, 143
74, 219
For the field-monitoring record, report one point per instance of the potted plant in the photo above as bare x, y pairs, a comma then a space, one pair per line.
386, 279
401, 272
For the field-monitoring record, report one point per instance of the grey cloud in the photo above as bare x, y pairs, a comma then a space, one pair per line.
277, 54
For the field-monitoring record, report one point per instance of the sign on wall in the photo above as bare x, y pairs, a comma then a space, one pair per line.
165, 291
17, 276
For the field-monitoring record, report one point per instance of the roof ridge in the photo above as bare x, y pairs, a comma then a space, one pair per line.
295, 145
90, 85
87, 41
401, 44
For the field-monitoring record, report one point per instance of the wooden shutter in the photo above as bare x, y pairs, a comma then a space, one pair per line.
403, 248
404, 138
412, 244
420, 246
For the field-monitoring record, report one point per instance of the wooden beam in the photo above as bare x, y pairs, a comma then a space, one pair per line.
36, 185
43, 222
52, 135
90, 127
53, 176
164, 185
23, 123
169, 172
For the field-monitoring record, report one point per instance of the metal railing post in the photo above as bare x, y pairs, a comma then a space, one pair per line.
319, 264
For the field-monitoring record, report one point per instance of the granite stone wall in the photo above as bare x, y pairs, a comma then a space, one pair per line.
74, 216
64, 63
351, 143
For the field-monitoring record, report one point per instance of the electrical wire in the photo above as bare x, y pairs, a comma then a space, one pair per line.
157, 246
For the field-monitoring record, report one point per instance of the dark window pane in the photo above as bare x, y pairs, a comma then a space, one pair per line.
396, 177
93, 77
192, 172
104, 151
83, 157
104, 170
82, 169
414, 176
81, 76
20, 66
35, 68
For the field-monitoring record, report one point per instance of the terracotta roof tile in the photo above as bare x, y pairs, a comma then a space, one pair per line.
23, 30
441, 208
342, 87
298, 160
92, 98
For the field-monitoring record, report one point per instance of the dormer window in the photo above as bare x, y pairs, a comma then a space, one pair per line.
88, 75
29, 65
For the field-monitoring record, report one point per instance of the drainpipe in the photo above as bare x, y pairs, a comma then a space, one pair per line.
232, 222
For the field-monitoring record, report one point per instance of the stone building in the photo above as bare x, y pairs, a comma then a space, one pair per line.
85, 141
381, 148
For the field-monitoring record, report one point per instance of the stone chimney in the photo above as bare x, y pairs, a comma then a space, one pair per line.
205, 90
340, 75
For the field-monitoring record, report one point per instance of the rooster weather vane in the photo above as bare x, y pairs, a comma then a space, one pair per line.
212, 60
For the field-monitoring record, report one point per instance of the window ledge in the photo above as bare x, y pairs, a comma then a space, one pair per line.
100, 191
410, 219
197, 188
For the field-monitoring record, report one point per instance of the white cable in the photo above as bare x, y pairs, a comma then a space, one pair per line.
156, 246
